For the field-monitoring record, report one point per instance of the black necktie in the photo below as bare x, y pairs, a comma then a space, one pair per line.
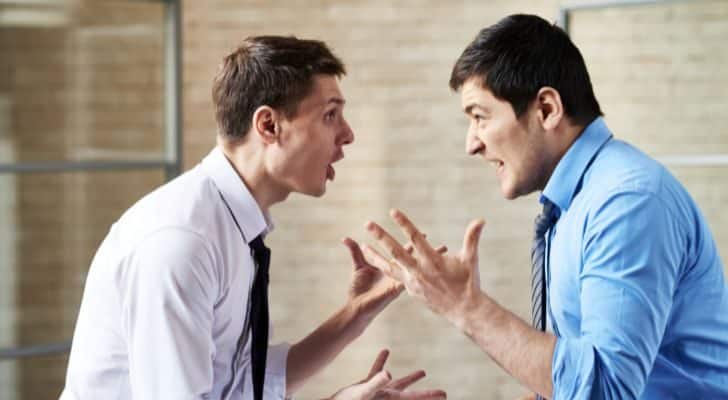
259, 315
543, 223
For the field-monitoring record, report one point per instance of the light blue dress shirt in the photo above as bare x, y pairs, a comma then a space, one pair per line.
637, 295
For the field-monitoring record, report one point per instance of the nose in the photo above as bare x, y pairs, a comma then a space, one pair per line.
473, 144
346, 136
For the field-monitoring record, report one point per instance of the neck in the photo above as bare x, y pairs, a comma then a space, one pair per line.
247, 158
566, 134
569, 133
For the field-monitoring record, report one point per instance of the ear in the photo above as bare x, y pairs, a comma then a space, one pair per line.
550, 110
266, 124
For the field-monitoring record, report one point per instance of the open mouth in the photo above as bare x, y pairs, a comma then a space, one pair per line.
330, 172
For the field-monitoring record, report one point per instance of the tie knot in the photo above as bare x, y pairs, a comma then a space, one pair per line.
261, 254
545, 220
257, 244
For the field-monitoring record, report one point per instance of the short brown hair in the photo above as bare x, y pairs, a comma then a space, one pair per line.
276, 71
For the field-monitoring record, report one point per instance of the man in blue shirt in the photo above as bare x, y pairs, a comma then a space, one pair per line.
636, 297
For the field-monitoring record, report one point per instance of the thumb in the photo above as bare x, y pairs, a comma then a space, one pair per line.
377, 382
470, 241
355, 251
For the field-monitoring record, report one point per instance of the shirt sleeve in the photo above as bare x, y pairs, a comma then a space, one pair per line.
169, 292
275, 373
631, 256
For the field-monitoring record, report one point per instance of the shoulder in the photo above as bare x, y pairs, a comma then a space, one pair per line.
189, 203
172, 251
620, 167
631, 201
624, 187
174, 242
171, 259
623, 173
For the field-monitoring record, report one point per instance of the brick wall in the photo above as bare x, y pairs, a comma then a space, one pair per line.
94, 84
409, 152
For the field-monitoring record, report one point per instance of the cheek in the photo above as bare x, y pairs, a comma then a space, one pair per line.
478, 133
312, 159
278, 162
530, 159
290, 159
310, 150
495, 136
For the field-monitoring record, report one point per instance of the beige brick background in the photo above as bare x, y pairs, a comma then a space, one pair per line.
91, 89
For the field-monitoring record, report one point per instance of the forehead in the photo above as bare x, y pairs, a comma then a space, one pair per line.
473, 94
325, 90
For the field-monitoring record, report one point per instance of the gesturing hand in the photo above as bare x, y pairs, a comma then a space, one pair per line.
370, 290
378, 385
444, 282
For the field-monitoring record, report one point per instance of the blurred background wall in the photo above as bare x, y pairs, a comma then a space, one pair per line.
83, 80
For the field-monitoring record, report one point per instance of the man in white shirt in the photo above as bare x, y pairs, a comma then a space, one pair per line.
166, 311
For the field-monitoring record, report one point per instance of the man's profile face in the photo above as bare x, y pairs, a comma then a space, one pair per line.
313, 140
513, 146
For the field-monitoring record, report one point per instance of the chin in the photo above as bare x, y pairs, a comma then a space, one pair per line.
509, 192
314, 191
514, 192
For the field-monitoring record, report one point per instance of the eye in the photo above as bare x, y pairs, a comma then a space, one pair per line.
329, 116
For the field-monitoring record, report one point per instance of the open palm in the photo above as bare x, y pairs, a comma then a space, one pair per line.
378, 385
370, 289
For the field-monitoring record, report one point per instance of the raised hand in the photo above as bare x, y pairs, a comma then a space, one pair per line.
370, 290
378, 385
444, 282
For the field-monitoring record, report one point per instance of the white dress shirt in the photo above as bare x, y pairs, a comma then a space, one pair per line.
167, 296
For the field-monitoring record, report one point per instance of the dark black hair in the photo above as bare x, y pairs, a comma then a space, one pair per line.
523, 53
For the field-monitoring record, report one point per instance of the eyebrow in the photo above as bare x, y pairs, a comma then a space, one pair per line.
336, 100
469, 109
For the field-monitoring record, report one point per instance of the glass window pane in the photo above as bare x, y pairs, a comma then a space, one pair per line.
52, 226
82, 80
33, 378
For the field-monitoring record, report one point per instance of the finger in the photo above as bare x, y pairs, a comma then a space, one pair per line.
383, 298
412, 395
406, 381
356, 255
391, 269
389, 243
409, 248
377, 382
418, 239
378, 363
469, 251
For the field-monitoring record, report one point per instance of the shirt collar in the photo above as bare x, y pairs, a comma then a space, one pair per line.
246, 211
564, 182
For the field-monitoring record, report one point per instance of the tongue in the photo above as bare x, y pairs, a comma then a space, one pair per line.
330, 172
